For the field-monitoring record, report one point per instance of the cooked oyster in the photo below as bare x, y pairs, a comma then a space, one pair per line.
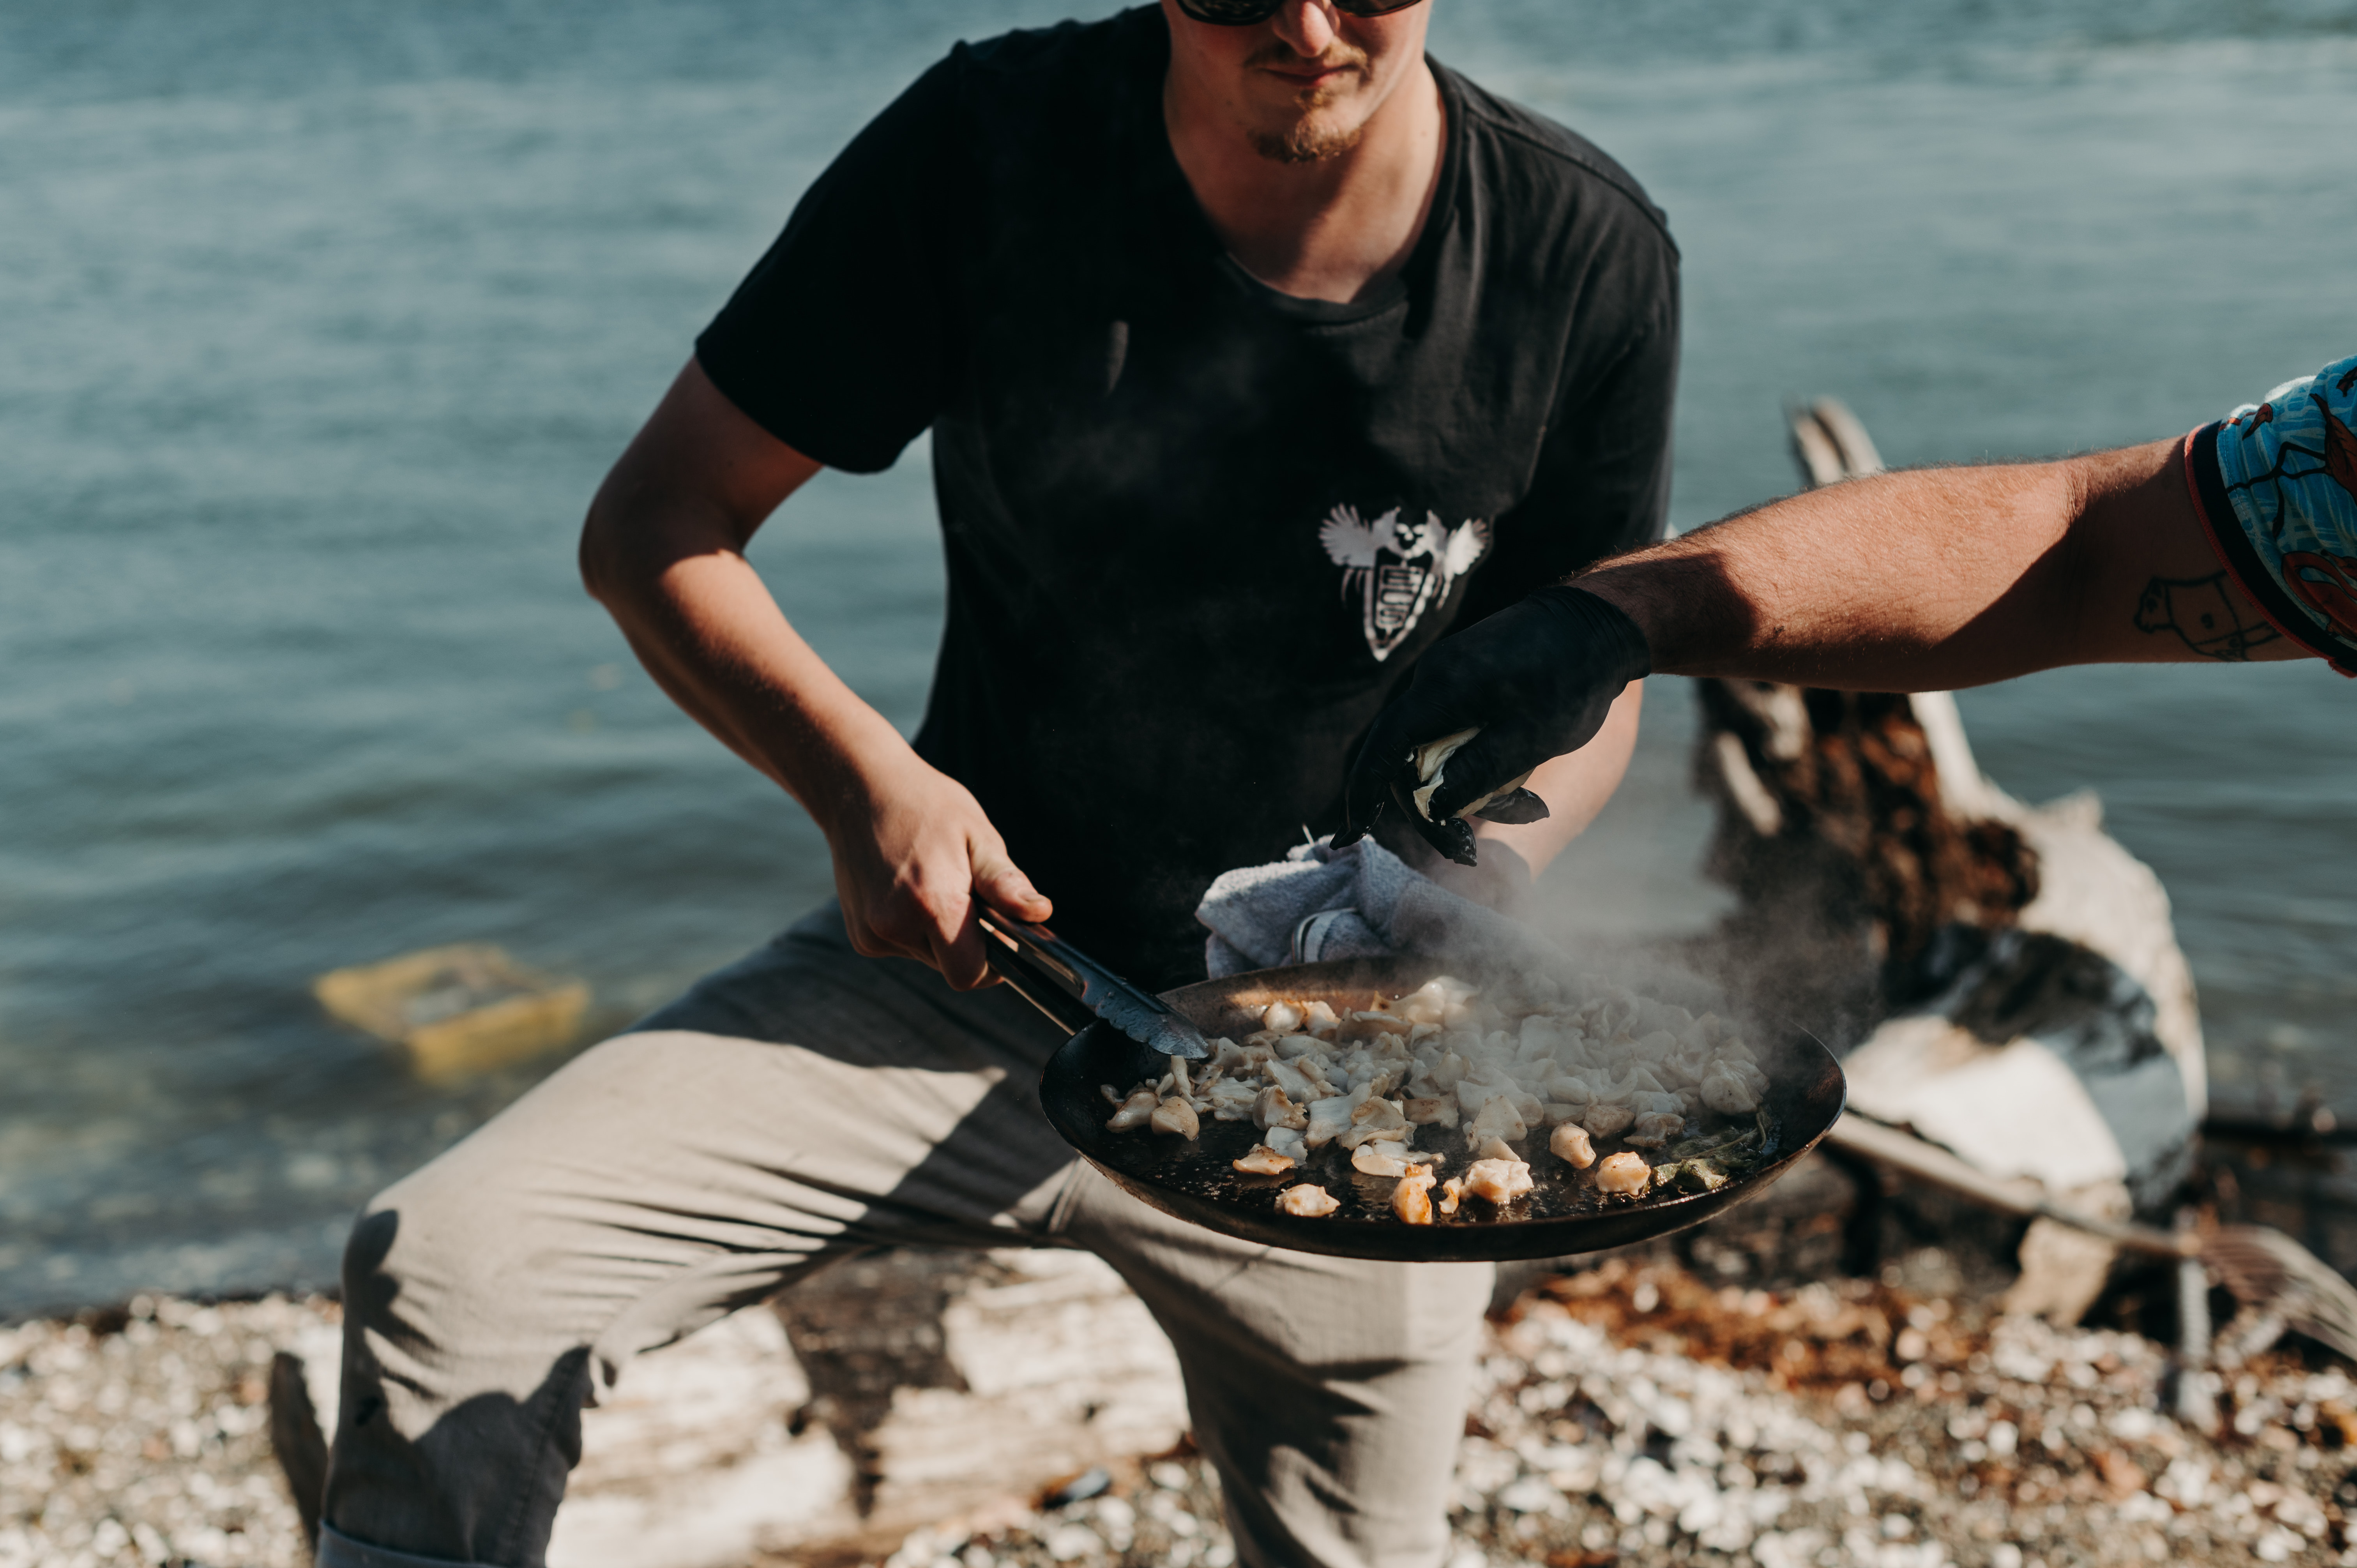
1623, 1175
1376, 1121
1135, 1109
1308, 1202
1569, 1142
1582, 1059
1500, 1181
1175, 1115
1275, 1108
1263, 1161
1733, 1088
1411, 1198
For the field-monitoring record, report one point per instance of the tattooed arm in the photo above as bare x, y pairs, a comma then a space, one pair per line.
1942, 577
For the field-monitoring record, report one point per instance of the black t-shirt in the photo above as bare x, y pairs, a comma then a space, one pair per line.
1197, 530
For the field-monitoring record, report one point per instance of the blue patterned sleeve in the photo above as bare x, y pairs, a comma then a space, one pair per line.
2277, 486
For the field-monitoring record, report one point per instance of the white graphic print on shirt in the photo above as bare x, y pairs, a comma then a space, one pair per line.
1401, 569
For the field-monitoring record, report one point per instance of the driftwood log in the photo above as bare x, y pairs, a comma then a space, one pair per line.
1836, 835
885, 1394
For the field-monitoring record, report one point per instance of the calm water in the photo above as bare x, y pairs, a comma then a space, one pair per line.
321, 322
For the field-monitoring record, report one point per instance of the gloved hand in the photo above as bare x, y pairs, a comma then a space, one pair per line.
1535, 681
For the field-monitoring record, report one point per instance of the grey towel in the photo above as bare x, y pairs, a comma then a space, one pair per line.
1361, 902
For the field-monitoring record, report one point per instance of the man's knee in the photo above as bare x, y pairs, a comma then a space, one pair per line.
435, 1248
460, 1412
483, 1212
450, 1315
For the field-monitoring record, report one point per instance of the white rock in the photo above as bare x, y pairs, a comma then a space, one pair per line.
1067, 1541
1532, 1494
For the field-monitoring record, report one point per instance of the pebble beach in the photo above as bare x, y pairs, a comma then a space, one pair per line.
142, 1436
1630, 1413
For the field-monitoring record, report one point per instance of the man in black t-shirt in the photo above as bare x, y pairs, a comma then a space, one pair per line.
1258, 352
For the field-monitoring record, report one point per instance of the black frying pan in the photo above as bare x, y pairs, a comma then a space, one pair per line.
1194, 1182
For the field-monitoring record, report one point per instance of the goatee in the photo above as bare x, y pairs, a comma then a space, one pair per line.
1307, 143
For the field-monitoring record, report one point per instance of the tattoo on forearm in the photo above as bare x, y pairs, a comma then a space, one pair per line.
2202, 613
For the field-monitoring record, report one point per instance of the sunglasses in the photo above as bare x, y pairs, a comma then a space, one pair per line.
1246, 12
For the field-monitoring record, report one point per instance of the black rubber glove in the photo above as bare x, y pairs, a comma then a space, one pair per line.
1536, 679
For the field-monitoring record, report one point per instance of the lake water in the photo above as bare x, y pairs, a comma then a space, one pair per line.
322, 321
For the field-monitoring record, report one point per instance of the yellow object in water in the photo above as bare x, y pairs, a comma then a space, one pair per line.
458, 1009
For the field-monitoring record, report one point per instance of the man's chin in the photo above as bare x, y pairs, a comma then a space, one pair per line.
1312, 139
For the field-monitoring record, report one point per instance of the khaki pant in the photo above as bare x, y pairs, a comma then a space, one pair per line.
802, 1106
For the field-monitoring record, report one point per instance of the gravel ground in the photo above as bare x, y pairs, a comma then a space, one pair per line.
1632, 1414
1629, 1414
140, 1436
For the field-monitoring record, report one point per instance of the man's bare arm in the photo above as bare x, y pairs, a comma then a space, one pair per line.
1937, 578
1907, 582
663, 551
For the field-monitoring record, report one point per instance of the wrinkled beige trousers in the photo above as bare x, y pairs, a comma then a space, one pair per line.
800, 1107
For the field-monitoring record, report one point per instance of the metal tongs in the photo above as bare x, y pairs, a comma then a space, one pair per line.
1074, 989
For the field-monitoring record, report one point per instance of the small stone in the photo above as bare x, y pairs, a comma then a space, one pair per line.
1079, 1488
1532, 1494
1068, 1542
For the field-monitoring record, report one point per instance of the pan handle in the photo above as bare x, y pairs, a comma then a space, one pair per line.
1032, 972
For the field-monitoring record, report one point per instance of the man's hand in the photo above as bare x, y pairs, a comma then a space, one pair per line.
912, 856
1536, 679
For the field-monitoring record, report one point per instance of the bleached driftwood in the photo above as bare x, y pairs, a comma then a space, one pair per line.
882, 1395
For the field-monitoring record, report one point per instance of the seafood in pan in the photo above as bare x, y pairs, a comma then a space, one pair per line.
1453, 1092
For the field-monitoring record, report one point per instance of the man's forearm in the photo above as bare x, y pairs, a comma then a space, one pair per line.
663, 551
1936, 577
707, 630
1931, 578
704, 625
